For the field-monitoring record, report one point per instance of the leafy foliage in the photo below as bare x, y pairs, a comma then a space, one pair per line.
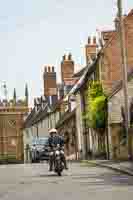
96, 106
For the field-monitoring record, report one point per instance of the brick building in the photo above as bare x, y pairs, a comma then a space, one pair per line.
110, 59
118, 149
49, 77
67, 69
90, 50
67, 72
50, 84
110, 67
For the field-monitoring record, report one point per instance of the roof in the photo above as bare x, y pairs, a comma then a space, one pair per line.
115, 34
80, 73
36, 116
40, 114
29, 118
118, 86
108, 34
67, 115
88, 70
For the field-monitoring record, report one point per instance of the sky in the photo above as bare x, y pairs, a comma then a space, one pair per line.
35, 33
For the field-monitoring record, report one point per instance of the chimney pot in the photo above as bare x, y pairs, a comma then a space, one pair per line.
52, 68
70, 56
48, 68
45, 69
64, 57
89, 40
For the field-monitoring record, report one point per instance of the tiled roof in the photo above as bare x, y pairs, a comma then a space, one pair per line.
88, 70
118, 84
67, 115
36, 116
80, 73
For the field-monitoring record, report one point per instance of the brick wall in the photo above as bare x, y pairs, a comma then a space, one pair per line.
111, 70
49, 77
90, 50
67, 70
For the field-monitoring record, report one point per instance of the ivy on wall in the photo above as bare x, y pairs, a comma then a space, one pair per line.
96, 114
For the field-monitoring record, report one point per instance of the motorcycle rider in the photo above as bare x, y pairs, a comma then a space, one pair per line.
53, 141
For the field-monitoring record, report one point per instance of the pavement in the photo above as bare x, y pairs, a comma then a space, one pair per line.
33, 181
125, 167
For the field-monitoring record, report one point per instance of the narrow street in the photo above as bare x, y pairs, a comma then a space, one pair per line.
18, 182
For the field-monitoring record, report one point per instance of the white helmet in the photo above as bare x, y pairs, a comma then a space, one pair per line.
53, 130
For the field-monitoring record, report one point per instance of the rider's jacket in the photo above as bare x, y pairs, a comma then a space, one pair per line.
54, 141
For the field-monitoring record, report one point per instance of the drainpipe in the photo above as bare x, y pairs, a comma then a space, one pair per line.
108, 133
37, 131
85, 135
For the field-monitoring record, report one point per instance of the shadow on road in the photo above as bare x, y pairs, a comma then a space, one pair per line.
51, 175
104, 179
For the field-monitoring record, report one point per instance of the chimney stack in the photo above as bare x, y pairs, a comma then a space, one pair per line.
67, 70
45, 69
52, 68
91, 50
49, 69
49, 78
64, 57
89, 40
70, 56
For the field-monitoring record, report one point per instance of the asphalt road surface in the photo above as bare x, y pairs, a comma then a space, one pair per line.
34, 182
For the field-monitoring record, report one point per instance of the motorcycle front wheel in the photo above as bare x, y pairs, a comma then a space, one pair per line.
58, 167
59, 174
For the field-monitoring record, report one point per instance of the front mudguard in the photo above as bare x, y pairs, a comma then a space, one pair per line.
58, 165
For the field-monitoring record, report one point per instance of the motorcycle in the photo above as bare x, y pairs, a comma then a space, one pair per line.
58, 164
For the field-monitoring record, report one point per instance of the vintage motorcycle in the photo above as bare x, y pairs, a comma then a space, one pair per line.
57, 153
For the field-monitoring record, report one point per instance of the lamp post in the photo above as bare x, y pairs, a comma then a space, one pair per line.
124, 70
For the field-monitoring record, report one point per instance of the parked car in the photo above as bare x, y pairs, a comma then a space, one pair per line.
44, 153
39, 149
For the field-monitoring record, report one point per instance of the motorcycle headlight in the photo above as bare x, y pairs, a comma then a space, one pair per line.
57, 152
51, 153
62, 152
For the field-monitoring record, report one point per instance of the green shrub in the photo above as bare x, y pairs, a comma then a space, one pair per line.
96, 106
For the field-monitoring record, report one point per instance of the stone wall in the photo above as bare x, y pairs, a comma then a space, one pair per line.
116, 101
115, 120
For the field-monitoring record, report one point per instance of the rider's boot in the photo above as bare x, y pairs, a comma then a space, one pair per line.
65, 163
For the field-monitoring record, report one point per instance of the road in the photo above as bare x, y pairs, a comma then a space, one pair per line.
25, 182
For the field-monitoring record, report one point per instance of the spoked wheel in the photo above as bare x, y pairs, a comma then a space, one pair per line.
58, 164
